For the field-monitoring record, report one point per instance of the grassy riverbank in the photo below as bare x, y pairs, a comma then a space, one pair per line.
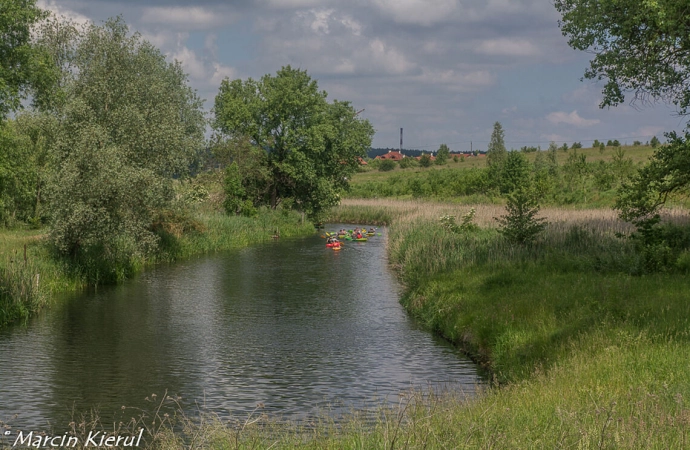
27, 283
587, 350
591, 351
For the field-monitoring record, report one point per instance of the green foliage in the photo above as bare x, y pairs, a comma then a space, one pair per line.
667, 173
496, 153
425, 160
408, 162
618, 33
654, 142
442, 155
129, 122
636, 143
312, 146
467, 225
24, 68
564, 147
576, 145
520, 225
235, 194
515, 172
387, 165
18, 176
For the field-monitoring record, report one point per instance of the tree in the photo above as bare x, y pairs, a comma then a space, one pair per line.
312, 146
520, 225
666, 174
129, 122
23, 67
496, 153
516, 171
442, 155
638, 46
425, 160
654, 142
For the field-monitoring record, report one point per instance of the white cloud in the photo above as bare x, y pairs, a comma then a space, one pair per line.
554, 137
220, 72
293, 4
418, 12
456, 80
572, 118
60, 11
508, 47
190, 62
188, 18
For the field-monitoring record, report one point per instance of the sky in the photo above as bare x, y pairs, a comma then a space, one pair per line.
443, 70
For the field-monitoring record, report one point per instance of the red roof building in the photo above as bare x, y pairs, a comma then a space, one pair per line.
393, 155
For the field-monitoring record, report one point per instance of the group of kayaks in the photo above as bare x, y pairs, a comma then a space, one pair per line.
356, 235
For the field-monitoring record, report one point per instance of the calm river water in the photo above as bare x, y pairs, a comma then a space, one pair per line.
289, 324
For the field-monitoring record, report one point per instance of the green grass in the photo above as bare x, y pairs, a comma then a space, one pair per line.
568, 184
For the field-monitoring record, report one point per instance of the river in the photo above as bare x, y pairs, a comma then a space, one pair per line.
289, 324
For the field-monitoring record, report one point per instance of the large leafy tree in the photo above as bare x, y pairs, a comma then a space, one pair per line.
127, 123
24, 68
310, 146
641, 47
638, 46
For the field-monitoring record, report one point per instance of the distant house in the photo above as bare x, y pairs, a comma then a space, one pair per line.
362, 162
392, 155
432, 157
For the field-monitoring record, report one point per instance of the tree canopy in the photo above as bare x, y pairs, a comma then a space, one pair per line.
309, 147
22, 66
638, 46
128, 123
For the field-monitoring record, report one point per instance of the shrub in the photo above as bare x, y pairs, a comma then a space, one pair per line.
520, 225
387, 165
425, 160
407, 162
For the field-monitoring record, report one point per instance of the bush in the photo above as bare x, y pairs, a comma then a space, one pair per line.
387, 165
425, 160
407, 163
520, 225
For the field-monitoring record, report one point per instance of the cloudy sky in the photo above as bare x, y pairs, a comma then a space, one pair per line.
444, 70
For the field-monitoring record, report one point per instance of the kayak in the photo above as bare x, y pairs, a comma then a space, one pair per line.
337, 248
362, 239
333, 245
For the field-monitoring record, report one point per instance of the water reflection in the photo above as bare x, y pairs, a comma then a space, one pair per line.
290, 324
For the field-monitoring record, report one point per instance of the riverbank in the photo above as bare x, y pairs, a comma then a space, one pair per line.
586, 349
30, 276
589, 349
